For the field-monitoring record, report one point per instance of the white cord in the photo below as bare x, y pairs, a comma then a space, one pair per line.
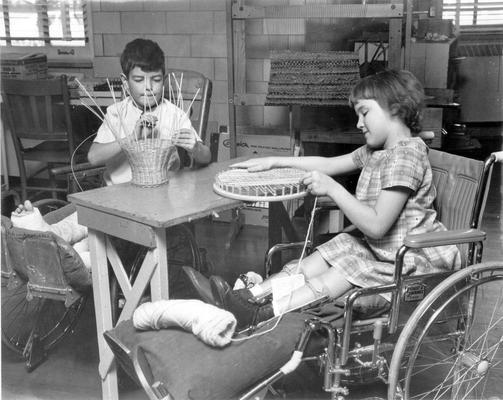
73, 157
279, 317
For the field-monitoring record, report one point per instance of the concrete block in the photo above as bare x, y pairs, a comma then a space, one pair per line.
203, 65
220, 92
172, 45
250, 115
106, 67
189, 22
254, 27
163, 5
98, 45
276, 116
220, 69
143, 22
114, 44
282, 26
256, 87
113, 5
219, 22
255, 70
219, 113
258, 46
296, 42
210, 5
107, 22
208, 46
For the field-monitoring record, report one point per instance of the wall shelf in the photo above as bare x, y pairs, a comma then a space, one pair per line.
238, 13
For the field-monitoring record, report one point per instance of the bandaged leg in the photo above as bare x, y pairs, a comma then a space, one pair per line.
28, 217
213, 325
310, 267
330, 283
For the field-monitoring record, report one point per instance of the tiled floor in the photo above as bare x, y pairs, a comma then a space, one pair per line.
71, 369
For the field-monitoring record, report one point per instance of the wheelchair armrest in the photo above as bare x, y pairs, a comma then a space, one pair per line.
443, 238
281, 247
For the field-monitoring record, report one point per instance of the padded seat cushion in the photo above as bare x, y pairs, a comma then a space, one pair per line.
190, 369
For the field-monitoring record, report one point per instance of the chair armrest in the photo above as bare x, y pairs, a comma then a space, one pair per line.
76, 168
443, 238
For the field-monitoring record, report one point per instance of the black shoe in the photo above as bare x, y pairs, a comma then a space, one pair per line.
198, 284
241, 303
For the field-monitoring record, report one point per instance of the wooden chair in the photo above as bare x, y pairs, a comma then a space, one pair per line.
194, 86
39, 110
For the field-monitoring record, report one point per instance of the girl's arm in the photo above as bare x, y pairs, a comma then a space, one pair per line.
374, 221
327, 165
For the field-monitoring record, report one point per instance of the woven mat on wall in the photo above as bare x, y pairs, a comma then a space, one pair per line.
309, 78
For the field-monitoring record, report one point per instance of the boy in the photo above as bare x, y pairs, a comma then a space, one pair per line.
143, 71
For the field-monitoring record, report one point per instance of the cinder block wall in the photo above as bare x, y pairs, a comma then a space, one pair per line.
192, 34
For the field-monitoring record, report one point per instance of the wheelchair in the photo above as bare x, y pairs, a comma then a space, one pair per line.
439, 338
45, 284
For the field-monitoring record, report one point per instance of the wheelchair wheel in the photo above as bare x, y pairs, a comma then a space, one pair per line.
182, 250
48, 319
452, 345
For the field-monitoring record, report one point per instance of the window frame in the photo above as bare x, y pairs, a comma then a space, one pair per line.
58, 52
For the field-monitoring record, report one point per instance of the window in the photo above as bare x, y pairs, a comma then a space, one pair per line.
36, 23
469, 13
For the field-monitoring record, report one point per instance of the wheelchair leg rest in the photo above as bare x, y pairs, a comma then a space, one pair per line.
34, 352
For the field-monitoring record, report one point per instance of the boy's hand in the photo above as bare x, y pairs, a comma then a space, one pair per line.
144, 127
185, 139
255, 164
318, 183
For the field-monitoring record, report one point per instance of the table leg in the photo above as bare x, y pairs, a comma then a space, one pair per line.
279, 221
102, 306
159, 285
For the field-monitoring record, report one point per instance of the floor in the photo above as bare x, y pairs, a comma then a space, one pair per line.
71, 369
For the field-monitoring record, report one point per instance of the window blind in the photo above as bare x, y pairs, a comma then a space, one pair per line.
474, 12
43, 22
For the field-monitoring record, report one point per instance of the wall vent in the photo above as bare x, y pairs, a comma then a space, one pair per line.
487, 49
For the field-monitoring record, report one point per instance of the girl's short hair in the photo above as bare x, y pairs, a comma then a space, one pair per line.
399, 92
142, 53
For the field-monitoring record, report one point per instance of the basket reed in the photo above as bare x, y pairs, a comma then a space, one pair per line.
150, 160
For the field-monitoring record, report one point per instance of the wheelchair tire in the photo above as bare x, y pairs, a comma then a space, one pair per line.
49, 319
182, 250
452, 345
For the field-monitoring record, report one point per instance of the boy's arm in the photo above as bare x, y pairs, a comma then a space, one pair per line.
201, 154
102, 153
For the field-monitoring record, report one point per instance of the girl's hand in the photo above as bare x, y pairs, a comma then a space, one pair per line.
318, 183
256, 164
185, 139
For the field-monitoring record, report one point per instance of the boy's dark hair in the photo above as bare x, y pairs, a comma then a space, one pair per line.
400, 92
142, 53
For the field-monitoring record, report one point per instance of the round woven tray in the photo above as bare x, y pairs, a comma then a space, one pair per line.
276, 184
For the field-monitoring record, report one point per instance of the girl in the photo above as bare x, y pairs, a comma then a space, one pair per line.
394, 197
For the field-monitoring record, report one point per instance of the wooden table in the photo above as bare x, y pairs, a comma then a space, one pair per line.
140, 215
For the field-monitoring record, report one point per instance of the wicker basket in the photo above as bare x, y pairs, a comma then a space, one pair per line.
150, 160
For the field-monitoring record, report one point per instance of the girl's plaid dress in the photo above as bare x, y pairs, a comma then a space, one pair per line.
370, 262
